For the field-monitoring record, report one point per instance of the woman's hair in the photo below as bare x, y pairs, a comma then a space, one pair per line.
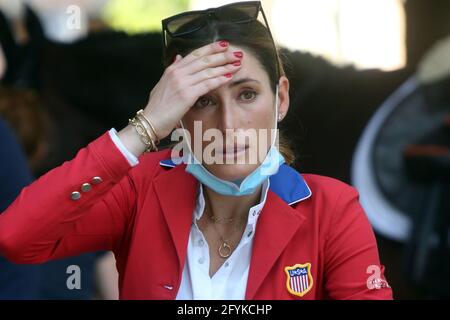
25, 113
253, 36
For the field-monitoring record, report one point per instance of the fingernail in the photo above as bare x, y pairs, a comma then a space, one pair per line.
236, 63
228, 75
238, 54
223, 43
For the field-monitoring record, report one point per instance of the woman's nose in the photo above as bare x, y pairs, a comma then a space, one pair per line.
229, 118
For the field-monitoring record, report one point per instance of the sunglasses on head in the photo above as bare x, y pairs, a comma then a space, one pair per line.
189, 22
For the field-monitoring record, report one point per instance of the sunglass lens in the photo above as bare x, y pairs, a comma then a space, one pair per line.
185, 24
238, 13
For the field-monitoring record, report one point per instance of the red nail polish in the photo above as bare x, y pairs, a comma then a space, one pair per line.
236, 63
228, 75
238, 54
223, 43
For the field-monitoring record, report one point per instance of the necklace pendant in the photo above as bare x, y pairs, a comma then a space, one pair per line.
225, 250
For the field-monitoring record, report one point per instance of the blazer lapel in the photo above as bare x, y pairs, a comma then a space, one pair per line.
176, 191
276, 226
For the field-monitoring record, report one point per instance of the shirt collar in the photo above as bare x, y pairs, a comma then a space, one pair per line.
287, 183
253, 212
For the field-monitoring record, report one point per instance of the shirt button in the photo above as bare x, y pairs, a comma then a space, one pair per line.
254, 213
75, 195
97, 180
250, 233
201, 260
227, 264
201, 242
85, 187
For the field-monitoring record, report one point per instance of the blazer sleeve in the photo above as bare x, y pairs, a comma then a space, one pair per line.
353, 269
45, 222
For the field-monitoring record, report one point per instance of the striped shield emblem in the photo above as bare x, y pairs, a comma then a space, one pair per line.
299, 280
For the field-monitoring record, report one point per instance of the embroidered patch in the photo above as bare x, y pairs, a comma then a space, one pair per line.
299, 279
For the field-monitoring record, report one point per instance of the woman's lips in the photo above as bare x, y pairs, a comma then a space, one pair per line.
232, 150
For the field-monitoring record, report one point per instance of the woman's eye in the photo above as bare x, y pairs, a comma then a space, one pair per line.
248, 95
202, 102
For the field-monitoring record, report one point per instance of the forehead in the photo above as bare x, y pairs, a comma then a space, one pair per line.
251, 66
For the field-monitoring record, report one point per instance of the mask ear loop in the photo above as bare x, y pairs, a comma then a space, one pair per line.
191, 158
274, 138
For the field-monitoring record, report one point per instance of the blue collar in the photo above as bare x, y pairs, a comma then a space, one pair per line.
287, 183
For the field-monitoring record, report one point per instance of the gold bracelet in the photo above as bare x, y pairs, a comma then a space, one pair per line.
142, 132
143, 123
141, 113
143, 135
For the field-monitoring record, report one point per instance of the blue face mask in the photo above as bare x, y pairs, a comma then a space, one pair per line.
249, 184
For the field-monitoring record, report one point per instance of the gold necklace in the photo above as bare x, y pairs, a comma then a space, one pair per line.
220, 220
225, 249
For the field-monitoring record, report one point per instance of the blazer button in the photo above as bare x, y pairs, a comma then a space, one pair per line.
97, 180
85, 187
75, 195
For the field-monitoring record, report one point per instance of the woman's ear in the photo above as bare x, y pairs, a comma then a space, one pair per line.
283, 97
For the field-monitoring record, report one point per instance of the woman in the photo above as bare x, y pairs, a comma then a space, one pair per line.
190, 227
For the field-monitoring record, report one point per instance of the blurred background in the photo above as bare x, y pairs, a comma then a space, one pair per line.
370, 105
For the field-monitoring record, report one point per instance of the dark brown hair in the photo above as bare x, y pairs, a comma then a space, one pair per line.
24, 112
253, 36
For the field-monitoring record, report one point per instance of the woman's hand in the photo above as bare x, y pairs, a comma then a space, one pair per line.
182, 83
186, 80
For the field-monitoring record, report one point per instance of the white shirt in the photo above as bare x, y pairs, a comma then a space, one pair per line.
230, 280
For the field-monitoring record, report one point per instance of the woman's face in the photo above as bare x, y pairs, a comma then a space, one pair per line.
242, 114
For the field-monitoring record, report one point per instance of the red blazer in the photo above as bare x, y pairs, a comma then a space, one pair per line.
310, 224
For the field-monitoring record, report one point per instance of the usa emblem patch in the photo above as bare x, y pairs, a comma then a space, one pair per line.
299, 279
